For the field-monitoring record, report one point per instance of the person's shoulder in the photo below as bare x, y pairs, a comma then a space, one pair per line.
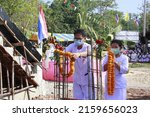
71, 45
124, 56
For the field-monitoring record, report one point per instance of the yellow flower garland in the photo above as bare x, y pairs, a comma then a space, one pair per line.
72, 61
111, 73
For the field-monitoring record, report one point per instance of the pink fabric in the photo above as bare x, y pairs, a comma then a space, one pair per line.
48, 73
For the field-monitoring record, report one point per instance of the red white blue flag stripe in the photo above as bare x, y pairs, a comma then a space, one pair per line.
117, 18
42, 28
136, 21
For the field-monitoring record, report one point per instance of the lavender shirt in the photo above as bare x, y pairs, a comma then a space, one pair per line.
82, 64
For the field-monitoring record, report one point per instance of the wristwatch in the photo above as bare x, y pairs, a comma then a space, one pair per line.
79, 55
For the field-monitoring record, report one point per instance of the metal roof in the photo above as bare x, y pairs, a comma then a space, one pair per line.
64, 37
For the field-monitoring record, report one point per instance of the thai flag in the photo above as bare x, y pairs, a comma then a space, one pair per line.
42, 28
136, 20
117, 18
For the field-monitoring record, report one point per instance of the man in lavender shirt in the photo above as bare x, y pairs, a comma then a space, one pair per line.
82, 87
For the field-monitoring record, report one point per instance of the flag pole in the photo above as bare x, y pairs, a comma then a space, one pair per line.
144, 27
144, 23
39, 5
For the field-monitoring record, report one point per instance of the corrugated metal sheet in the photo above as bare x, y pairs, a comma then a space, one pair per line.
59, 36
63, 37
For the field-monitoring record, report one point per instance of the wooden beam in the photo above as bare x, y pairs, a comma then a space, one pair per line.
18, 44
12, 85
8, 82
16, 91
1, 79
19, 41
1, 21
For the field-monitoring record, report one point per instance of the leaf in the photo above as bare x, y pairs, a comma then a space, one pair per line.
117, 29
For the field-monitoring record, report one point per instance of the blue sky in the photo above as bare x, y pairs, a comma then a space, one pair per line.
130, 6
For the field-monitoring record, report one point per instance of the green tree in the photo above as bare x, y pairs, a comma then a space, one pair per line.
94, 17
24, 13
60, 18
131, 24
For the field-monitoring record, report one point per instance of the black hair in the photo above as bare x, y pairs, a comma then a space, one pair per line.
119, 42
44, 40
80, 31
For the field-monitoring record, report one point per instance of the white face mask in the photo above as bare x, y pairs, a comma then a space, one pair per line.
115, 50
78, 42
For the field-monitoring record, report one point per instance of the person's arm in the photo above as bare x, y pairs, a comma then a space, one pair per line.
87, 52
105, 67
117, 66
123, 67
83, 54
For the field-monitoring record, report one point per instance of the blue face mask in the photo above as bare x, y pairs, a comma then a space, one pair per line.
115, 50
78, 42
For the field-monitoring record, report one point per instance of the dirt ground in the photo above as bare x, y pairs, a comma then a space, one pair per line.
138, 84
138, 80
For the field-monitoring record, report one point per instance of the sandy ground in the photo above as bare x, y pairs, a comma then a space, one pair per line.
138, 80
138, 85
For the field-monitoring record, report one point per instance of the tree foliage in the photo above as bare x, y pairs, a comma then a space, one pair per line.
24, 13
93, 15
97, 17
60, 18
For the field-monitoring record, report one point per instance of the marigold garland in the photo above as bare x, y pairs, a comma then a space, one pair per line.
59, 49
111, 73
72, 61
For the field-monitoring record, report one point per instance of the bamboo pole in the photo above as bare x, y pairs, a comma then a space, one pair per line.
97, 75
91, 73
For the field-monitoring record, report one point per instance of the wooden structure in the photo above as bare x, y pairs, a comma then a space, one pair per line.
13, 78
12, 35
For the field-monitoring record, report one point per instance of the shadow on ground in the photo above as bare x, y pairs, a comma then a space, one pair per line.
138, 94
